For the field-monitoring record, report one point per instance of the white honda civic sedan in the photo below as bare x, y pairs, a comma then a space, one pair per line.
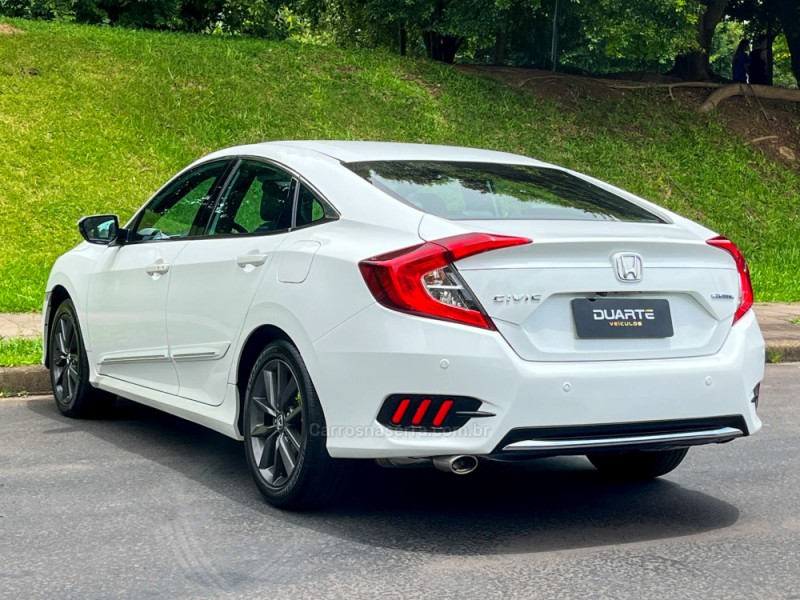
414, 304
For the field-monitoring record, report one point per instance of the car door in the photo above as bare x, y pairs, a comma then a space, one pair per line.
215, 277
127, 298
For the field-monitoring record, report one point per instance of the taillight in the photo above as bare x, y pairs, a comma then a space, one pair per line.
745, 287
422, 280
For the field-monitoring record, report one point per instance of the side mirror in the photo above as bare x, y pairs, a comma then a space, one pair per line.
99, 229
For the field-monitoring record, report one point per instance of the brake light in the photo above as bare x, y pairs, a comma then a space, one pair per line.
745, 287
422, 280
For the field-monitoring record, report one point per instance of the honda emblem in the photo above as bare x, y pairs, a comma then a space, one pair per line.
628, 267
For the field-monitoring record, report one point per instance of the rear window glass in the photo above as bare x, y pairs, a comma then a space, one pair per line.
486, 191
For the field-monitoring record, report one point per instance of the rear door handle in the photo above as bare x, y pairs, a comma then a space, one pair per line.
255, 259
158, 268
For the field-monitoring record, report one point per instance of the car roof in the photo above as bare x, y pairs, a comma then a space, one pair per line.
348, 151
320, 161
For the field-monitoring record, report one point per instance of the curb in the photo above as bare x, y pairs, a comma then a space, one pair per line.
24, 381
35, 379
781, 352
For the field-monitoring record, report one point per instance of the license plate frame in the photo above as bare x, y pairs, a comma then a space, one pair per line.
622, 318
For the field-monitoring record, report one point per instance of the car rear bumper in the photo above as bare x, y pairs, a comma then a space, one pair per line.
618, 437
379, 352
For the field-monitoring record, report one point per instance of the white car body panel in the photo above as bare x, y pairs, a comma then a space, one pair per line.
126, 314
204, 320
355, 364
194, 320
538, 281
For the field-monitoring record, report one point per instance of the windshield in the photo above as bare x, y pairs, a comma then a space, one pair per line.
486, 191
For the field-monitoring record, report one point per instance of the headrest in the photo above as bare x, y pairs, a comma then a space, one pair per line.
273, 199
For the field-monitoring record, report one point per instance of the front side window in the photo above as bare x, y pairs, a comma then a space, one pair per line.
259, 199
490, 191
179, 210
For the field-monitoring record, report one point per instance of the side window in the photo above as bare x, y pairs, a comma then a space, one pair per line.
310, 209
258, 200
176, 211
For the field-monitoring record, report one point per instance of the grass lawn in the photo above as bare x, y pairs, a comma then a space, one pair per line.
15, 352
94, 119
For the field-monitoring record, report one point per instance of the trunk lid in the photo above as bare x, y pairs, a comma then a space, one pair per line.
528, 290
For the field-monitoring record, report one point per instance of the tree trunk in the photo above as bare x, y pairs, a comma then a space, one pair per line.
442, 47
403, 40
695, 65
789, 15
501, 39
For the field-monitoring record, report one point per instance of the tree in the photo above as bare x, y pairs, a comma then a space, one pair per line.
770, 17
789, 14
695, 65
444, 28
248, 17
646, 29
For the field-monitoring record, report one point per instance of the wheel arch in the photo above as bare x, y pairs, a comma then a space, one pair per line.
58, 294
253, 346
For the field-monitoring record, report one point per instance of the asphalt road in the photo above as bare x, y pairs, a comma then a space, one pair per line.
144, 505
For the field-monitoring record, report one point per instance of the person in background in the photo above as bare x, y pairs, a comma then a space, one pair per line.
741, 58
757, 71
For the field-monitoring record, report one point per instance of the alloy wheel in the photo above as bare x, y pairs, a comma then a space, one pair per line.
276, 422
66, 360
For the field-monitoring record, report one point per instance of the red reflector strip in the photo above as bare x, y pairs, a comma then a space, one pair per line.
401, 411
442, 413
421, 410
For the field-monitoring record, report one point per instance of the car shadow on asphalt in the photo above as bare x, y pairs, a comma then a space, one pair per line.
543, 505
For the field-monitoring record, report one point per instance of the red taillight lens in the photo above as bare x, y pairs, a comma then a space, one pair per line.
421, 280
745, 287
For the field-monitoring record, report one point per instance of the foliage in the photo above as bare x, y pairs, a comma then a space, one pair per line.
762, 17
39, 9
15, 352
782, 59
596, 36
263, 18
378, 22
95, 119
652, 30
726, 40
250, 17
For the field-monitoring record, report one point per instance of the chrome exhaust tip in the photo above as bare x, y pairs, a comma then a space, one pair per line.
461, 464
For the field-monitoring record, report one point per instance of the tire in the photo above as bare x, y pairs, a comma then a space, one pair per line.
638, 466
284, 434
69, 367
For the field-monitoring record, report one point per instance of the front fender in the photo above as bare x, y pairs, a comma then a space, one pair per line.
71, 272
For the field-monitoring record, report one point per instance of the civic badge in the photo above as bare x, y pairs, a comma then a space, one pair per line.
628, 267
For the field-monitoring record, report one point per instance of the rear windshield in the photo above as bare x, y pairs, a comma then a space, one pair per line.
486, 191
